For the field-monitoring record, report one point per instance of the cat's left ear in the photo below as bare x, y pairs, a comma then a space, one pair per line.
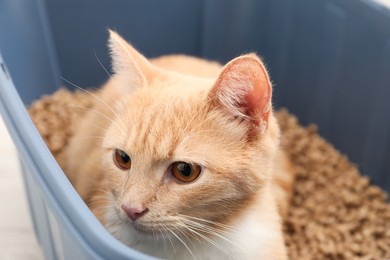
244, 90
127, 61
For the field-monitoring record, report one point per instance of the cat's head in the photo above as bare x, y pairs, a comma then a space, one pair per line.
184, 152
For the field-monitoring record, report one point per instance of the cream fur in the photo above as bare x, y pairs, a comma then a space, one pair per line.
179, 108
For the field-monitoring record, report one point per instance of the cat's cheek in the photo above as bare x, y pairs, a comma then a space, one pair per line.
115, 179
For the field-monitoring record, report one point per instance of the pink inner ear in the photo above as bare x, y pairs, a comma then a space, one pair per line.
244, 90
257, 101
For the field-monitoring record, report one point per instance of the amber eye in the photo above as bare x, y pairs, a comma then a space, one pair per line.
122, 159
185, 172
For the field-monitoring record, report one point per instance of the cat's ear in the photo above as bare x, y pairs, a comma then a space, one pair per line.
244, 90
127, 61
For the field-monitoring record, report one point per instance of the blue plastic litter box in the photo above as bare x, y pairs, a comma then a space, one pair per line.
329, 61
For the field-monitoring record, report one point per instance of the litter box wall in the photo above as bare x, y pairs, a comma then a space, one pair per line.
329, 60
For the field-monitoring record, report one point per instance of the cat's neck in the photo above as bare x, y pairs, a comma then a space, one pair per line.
257, 227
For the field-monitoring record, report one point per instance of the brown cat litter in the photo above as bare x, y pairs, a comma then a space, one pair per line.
335, 214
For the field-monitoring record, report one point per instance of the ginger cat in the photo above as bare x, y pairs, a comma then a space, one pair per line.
183, 160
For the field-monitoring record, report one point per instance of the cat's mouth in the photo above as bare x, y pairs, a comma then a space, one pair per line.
145, 229
149, 230
155, 230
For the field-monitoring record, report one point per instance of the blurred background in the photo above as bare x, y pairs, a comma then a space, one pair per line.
329, 61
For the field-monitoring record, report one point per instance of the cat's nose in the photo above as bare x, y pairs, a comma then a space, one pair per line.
133, 212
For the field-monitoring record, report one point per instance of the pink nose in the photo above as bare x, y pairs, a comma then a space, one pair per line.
134, 213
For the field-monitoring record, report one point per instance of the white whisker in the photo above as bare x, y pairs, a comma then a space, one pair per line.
211, 228
98, 113
214, 232
173, 233
209, 221
212, 242
95, 96
116, 85
173, 246
184, 234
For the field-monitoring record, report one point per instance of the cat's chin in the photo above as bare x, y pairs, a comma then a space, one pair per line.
147, 231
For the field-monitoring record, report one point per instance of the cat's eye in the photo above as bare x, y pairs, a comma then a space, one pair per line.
122, 160
185, 172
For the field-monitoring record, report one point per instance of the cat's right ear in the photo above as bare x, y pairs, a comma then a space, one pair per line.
127, 62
